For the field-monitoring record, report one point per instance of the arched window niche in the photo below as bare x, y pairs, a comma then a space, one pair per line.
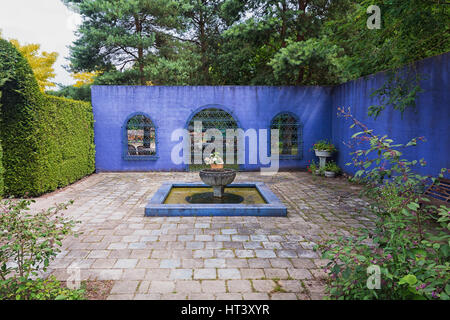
139, 138
290, 136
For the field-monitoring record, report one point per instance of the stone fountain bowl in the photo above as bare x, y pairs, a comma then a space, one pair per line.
221, 177
218, 179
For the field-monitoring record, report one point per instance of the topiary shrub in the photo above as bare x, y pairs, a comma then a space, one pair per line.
48, 142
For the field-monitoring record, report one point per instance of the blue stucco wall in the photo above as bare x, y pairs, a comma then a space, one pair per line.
254, 107
431, 119
171, 108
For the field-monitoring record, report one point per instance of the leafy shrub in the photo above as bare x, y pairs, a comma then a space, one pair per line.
47, 141
331, 166
313, 166
409, 244
28, 243
323, 145
38, 289
1, 170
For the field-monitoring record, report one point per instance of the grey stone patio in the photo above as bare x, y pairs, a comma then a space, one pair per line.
203, 257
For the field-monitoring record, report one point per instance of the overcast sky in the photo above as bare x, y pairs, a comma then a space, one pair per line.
46, 22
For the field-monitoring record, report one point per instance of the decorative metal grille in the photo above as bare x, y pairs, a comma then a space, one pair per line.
141, 135
290, 143
212, 119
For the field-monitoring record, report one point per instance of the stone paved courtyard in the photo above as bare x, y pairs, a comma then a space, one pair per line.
203, 257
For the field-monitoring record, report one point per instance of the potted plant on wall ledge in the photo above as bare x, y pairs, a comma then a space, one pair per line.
323, 148
215, 161
332, 169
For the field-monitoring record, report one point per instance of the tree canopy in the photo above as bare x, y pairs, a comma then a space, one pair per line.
252, 42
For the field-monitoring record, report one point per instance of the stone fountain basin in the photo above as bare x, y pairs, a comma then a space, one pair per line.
222, 177
157, 206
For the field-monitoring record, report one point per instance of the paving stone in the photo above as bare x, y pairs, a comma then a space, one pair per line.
245, 253
229, 274
161, 286
229, 296
203, 253
276, 273
205, 274
98, 254
213, 286
259, 237
214, 263
252, 273
283, 296
116, 234
299, 274
133, 274
187, 286
224, 253
291, 285
170, 263
256, 296
120, 297
157, 274
125, 286
181, 274
242, 286
125, 263
149, 296
263, 285
265, 253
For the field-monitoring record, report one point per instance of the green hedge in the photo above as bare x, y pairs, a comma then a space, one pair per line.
1, 171
48, 142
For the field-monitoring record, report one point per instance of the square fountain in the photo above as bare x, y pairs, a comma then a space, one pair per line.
197, 199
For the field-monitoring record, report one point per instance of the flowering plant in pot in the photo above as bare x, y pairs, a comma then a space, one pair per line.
314, 168
324, 148
331, 169
215, 161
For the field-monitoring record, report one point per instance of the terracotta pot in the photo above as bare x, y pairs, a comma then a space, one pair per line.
215, 166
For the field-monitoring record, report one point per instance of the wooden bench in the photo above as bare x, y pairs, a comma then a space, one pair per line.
438, 193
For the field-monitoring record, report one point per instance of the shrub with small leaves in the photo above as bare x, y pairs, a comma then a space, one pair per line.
410, 241
29, 241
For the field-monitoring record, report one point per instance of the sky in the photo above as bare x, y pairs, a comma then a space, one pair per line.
46, 22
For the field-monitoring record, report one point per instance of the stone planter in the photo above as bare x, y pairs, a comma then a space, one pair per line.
323, 153
330, 174
218, 179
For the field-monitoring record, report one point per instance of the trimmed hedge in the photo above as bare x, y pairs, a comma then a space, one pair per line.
1, 172
48, 142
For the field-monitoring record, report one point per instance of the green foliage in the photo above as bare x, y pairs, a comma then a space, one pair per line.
29, 242
318, 59
47, 141
263, 42
29, 239
331, 166
410, 242
324, 145
38, 289
399, 91
2, 185
82, 93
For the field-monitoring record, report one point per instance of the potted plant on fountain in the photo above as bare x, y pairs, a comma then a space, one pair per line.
215, 161
323, 148
331, 169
